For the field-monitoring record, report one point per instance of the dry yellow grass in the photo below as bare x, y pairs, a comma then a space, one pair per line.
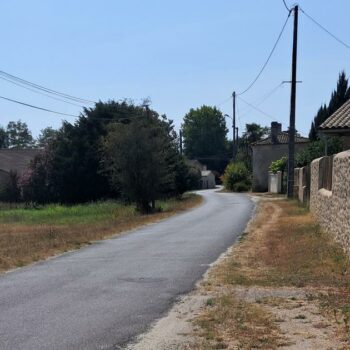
283, 252
24, 243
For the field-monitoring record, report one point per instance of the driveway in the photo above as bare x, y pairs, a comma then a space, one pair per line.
103, 295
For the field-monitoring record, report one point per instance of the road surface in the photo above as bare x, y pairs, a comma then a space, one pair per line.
103, 295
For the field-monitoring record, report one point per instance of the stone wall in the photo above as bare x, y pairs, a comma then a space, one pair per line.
332, 208
301, 185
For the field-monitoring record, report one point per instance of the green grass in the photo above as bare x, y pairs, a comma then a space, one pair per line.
76, 214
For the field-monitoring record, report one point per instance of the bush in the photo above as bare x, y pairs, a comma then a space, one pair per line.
237, 177
279, 165
316, 150
11, 191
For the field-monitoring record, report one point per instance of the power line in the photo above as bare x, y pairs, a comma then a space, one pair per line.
223, 102
41, 108
324, 29
264, 97
40, 93
256, 108
42, 88
288, 9
268, 58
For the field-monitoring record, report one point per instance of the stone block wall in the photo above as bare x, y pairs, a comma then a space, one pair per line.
301, 190
332, 208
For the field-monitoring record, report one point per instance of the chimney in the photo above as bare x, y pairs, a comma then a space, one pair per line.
276, 128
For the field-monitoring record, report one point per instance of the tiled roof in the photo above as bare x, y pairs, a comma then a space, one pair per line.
282, 138
340, 119
16, 159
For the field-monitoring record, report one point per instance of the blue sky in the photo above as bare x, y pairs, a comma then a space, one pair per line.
181, 54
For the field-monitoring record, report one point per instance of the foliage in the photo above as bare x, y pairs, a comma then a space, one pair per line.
69, 171
11, 191
140, 158
4, 142
46, 136
316, 149
279, 165
186, 177
254, 132
237, 177
204, 131
18, 135
339, 96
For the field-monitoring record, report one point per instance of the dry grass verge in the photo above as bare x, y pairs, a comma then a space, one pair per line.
29, 235
285, 285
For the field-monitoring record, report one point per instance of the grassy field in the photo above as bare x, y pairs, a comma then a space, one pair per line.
32, 234
285, 283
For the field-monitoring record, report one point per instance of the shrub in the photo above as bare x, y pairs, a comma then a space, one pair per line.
237, 177
11, 191
278, 165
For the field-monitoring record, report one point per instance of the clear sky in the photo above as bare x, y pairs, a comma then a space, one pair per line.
181, 54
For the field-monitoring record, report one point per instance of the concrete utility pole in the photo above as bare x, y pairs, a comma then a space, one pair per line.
291, 144
234, 125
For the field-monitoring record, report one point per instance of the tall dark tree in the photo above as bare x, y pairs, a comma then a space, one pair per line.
19, 136
141, 159
339, 96
4, 141
73, 163
204, 131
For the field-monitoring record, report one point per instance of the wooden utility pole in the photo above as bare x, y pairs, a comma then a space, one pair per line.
234, 125
291, 143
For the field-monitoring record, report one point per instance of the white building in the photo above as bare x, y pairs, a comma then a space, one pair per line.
208, 179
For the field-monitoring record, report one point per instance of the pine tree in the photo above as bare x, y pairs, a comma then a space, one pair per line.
339, 96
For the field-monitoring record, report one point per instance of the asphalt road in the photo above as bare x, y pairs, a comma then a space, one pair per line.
103, 295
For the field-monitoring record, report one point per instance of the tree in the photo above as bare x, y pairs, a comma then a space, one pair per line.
316, 149
141, 158
46, 136
70, 169
4, 142
254, 132
339, 96
19, 136
204, 131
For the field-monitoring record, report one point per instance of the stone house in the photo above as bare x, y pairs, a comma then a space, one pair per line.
272, 148
338, 124
16, 160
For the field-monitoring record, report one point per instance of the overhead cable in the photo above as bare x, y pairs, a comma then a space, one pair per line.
36, 107
325, 29
268, 58
45, 89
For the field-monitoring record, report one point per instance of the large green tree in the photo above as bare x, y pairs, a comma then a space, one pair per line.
18, 135
141, 158
70, 168
204, 131
339, 96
